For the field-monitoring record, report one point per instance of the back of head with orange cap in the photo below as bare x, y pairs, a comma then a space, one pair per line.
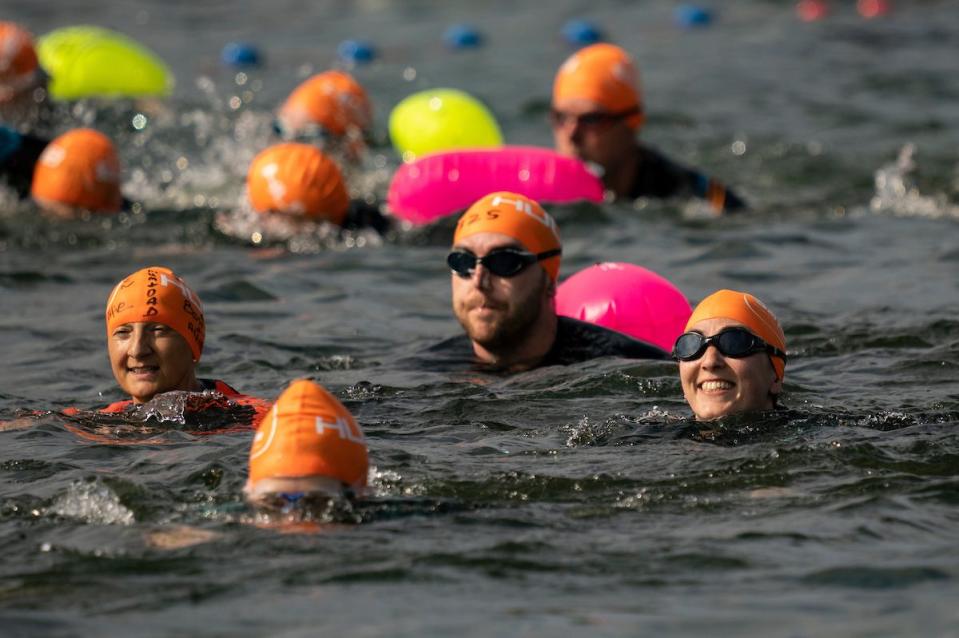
605, 75
297, 179
516, 216
157, 295
332, 100
747, 310
307, 434
18, 60
78, 170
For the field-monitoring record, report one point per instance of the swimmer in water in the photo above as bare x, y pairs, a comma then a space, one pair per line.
504, 266
76, 172
302, 183
330, 110
22, 80
596, 112
307, 450
155, 334
732, 357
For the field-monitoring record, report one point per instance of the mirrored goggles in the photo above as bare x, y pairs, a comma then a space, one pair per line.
502, 262
731, 342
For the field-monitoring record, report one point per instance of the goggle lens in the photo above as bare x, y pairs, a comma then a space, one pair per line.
506, 262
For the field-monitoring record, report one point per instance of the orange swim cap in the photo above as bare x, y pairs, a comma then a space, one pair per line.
157, 295
747, 310
308, 432
18, 59
517, 216
79, 169
332, 100
297, 179
605, 74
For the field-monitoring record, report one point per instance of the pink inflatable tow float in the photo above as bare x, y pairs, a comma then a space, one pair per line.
443, 183
628, 299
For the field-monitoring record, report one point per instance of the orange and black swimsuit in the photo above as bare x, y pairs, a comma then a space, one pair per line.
252, 408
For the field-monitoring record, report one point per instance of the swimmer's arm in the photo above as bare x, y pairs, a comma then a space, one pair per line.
18, 424
720, 198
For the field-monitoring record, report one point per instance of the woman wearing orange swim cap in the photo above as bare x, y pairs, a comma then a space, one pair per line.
732, 357
155, 334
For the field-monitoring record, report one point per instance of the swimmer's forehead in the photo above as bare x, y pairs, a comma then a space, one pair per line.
709, 327
311, 484
484, 242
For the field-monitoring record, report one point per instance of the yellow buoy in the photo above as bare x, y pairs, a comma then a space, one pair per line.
85, 61
441, 120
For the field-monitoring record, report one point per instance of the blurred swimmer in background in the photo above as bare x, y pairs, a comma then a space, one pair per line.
597, 111
732, 357
330, 110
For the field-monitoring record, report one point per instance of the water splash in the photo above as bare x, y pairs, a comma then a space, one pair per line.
896, 192
92, 502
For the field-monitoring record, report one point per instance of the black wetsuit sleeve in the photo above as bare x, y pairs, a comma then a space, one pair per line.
580, 341
19, 159
661, 177
365, 215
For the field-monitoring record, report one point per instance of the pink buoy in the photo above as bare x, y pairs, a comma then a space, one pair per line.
626, 298
442, 183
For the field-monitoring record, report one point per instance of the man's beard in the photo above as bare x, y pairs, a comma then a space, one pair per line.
513, 329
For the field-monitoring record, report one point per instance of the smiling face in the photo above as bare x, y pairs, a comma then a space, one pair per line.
715, 385
497, 312
150, 358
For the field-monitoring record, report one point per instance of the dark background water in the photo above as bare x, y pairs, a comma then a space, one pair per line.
561, 501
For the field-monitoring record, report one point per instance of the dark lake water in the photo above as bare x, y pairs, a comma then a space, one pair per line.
562, 501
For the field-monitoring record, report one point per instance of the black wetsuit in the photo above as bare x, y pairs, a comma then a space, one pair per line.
18, 156
575, 341
362, 214
658, 176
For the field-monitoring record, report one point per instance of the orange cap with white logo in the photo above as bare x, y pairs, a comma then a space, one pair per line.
333, 100
309, 433
604, 74
747, 310
297, 179
517, 216
18, 59
157, 295
79, 169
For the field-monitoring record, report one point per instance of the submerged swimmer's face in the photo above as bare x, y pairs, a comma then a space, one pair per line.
495, 311
289, 493
581, 130
716, 385
150, 358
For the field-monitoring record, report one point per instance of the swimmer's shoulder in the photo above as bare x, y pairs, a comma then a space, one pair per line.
580, 341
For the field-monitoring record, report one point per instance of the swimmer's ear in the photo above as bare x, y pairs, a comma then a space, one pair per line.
550, 287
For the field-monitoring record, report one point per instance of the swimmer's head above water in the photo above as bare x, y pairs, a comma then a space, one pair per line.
308, 447
597, 106
505, 261
155, 333
297, 180
20, 71
732, 356
330, 108
78, 171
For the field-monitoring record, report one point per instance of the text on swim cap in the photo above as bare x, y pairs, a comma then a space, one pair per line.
521, 206
344, 427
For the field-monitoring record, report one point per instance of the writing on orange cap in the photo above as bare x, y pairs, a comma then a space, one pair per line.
18, 59
747, 310
297, 179
332, 99
79, 169
604, 74
157, 295
518, 217
308, 432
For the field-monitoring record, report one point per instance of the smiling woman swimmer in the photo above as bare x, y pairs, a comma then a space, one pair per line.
732, 357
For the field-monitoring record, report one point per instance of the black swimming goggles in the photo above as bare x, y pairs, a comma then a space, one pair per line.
502, 262
731, 342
